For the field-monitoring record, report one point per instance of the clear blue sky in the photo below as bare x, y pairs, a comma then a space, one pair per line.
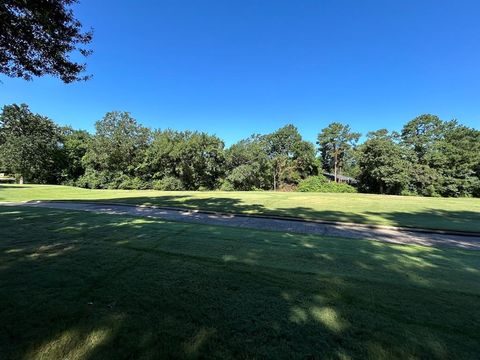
234, 68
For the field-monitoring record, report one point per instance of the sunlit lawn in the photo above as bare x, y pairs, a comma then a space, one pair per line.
77, 285
461, 214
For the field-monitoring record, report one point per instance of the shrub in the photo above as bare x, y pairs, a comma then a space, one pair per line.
110, 180
431, 191
93, 180
133, 184
226, 185
168, 183
408, 192
321, 184
117, 180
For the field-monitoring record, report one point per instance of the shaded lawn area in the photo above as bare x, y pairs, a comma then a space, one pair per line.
94, 286
461, 214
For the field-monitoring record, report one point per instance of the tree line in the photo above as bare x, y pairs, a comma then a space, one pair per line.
429, 157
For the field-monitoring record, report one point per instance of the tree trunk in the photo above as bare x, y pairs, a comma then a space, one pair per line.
335, 166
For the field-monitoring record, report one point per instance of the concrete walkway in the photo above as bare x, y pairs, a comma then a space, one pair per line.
355, 231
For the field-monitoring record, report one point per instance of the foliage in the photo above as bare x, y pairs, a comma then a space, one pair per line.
248, 166
195, 159
74, 146
226, 185
38, 38
458, 163
133, 183
320, 183
93, 179
429, 157
168, 183
384, 165
118, 147
292, 158
28, 144
336, 142
421, 135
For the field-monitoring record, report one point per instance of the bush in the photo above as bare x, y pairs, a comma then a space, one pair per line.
408, 192
94, 180
110, 180
133, 184
168, 183
431, 191
321, 184
476, 191
226, 185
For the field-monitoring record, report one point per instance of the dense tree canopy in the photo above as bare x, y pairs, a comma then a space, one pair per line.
28, 144
195, 159
429, 157
291, 157
75, 144
248, 166
38, 38
115, 153
384, 165
459, 163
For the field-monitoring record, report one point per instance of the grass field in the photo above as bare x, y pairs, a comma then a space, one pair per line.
435, 213
78, 285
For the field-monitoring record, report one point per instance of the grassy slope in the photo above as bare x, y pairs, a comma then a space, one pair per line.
91, 286
435, 213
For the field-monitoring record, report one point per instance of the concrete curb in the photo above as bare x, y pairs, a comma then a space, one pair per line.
273, 217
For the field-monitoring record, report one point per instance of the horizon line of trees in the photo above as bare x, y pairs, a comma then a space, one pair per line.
428, 157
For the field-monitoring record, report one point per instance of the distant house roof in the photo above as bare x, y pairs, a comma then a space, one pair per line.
5, 177
342, 178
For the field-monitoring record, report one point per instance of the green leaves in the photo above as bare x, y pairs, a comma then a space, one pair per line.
321, 184
292, 158
118, 145
29, 144
384, 164
335, 144
38, 37
429, 157
196, 159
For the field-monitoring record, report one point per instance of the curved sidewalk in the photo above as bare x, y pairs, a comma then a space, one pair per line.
356, 231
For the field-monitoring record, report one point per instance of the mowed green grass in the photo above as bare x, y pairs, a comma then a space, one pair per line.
78, 285
461, 214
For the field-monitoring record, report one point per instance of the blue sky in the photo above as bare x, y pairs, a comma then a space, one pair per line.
234, 68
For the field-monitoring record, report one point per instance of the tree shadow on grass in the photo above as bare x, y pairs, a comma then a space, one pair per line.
80, 285
465, 220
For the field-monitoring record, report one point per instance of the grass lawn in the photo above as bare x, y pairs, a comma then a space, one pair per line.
77, 285
435, 213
